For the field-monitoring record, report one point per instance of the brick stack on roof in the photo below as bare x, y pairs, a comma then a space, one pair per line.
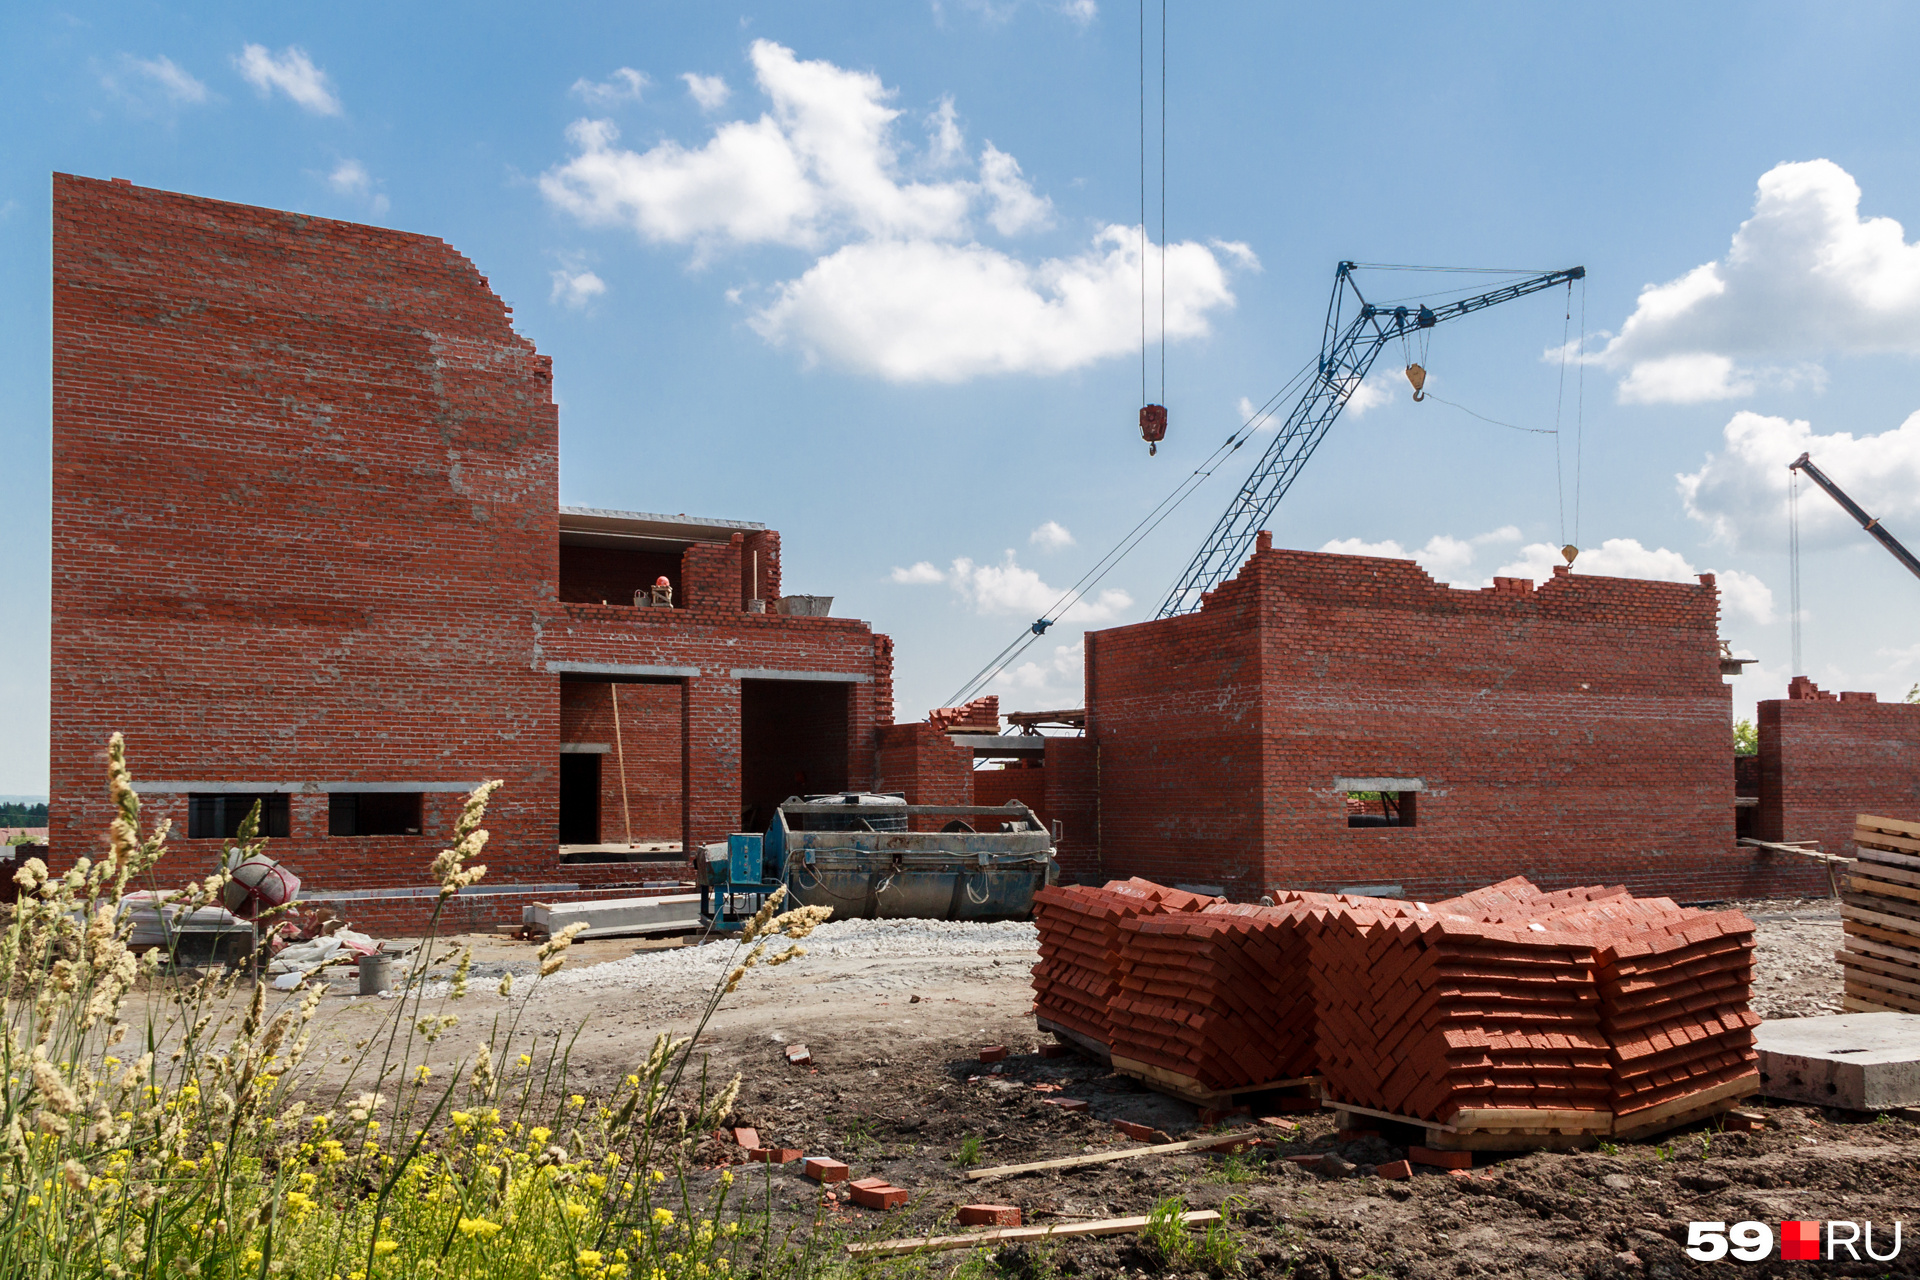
1219, 996
1080, 944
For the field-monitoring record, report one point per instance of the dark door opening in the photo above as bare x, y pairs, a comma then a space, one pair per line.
579, 798
793, 740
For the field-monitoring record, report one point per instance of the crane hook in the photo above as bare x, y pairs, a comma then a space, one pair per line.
1153, 426
1418, 377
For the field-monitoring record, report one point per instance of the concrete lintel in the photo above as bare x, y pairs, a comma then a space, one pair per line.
1379, 784
1023, 743
1856, 1061
765, 673
294, 788
586, 748
621, 669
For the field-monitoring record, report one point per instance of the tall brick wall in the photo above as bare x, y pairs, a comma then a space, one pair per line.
306, 537
1062, 787
304, 515
1825, 760
1570, 733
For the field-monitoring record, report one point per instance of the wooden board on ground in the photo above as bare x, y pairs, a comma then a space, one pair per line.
1687, 1109
1187, 1089
1004, 1235
1519, 1129
1105, 1157
1084, 1043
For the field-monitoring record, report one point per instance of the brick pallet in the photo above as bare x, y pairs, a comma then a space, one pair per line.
1213, 1002
1880, 913
1080, 941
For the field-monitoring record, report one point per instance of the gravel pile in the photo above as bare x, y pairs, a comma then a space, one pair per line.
835, 940
1794, 972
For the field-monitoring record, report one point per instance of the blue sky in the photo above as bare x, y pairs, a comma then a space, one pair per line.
867, 273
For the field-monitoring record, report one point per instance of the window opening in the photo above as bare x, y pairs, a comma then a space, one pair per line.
1383, 808
217, 816
373, 813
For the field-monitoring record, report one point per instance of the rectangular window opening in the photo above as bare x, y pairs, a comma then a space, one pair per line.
1383, 808
218, 816
373, 813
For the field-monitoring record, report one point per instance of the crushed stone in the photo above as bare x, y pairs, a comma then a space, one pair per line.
835, 940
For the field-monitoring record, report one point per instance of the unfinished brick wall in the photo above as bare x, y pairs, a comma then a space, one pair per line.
1062, 787
304, 514
1824, 760
1570, 733
925, 765
306, 537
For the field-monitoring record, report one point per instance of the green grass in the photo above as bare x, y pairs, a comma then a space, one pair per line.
969, 1153
1235, 1169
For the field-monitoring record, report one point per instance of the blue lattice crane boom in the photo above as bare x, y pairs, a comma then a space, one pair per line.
1348, 348
1852, 508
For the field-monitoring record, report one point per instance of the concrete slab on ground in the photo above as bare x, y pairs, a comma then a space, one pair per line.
1858, 1061
617, 917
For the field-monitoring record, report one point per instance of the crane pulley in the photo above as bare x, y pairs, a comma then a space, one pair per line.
1350, 344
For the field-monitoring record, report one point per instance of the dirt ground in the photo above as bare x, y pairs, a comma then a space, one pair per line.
896, 1087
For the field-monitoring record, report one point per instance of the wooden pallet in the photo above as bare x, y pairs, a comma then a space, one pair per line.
1084, 1043
1881, 918
1187, 1089
1537, 1129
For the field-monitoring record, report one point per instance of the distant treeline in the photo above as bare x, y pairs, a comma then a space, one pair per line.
23, 815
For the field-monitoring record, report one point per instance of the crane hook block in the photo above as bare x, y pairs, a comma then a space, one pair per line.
1418, 377
1153, 426
1570, 552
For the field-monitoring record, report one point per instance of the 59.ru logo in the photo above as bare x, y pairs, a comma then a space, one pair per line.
1799, 1241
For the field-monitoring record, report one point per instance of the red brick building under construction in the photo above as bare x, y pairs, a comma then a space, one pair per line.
308, 549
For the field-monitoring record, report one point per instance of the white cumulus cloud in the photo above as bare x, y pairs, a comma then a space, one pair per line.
1058, 680
710, 92
1444, 556
1009, 588
1740, 492
901, 287
927, 311
350, 178
575, 289
1805, 276
624, 85
919, 573
292, 72
1052, 535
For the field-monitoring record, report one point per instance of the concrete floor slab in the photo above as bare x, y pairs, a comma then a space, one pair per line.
617, 916
1857, 1061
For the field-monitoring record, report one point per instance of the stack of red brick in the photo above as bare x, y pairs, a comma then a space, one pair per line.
1080, 942
1215, 995
1579, 999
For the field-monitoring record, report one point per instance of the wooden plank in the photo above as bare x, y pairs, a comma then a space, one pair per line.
1639, 1121
1002, 1235
1431, 1126
1192, 1090
1882, 973
1886, 870
1899, 826
1534, 1118
1909, 956
1718, 1107
1104, 1157
1886, 999
1871, 849
1853, 1004
1852, 911
1854, 929
1884, 888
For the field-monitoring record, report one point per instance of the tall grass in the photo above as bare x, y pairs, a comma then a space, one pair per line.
159, 1126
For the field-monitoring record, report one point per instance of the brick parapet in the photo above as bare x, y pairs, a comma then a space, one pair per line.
1824, 761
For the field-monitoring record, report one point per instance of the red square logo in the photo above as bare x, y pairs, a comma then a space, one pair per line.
1800, 1241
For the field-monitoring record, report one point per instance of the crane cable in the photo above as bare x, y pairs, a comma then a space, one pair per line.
1793, 563
1131, 539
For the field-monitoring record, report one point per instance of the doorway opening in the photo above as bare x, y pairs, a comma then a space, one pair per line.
793, 741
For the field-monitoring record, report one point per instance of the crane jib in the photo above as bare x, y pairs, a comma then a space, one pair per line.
1351, 343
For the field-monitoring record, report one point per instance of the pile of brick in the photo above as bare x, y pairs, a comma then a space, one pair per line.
1426, 1015
1881, 911
1080, 946
1218, 996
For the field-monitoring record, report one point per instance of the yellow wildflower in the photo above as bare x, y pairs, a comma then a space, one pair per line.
479, 1228
663, 1217
381, 1248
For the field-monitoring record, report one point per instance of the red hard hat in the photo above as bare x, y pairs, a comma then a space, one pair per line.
661, 581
